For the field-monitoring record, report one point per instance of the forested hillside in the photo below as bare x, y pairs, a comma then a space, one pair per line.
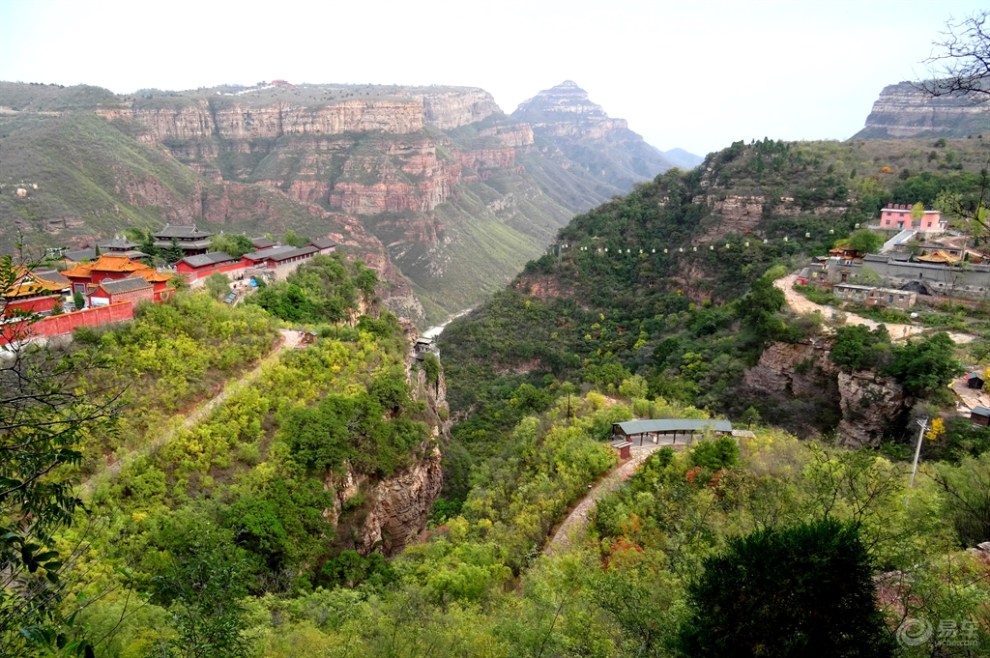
672, 283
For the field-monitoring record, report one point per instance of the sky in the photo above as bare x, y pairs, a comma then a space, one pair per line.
693, 74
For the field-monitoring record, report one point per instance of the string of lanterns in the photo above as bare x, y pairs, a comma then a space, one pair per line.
746, 243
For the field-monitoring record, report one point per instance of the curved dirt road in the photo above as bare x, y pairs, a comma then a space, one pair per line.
578, 516
801, 304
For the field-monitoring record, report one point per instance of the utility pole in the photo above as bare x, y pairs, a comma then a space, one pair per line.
923, 423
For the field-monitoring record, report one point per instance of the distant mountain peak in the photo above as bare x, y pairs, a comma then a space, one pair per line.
566, 98
565, 121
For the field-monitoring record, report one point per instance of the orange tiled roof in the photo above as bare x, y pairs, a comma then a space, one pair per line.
939, 256
28, 285
116, 263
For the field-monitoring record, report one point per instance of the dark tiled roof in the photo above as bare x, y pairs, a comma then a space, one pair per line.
211, 258
322, 243
262, 254
181, 232
125, 285
89, 253
262, 243
295, 253
51, 275
673, 425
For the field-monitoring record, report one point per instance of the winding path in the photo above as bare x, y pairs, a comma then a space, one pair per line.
563, 537
289, 339
801, 304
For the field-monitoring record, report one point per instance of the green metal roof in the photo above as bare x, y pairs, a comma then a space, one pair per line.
672, 425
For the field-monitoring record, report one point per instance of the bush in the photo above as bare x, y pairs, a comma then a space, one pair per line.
806, 590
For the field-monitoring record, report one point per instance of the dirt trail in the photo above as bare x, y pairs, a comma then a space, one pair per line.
290, 339
578, 517
801, 304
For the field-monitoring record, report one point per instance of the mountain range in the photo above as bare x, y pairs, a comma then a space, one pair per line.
435, 187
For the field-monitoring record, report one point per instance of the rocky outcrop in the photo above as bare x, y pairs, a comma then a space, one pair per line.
394, 510
904, 110
869, 404
566, 111
866, 403
453, 108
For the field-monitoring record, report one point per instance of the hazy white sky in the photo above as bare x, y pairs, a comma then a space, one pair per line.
696, 74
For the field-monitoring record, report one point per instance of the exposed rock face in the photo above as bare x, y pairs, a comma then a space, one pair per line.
566, 123
456, 108
736, 214
866, 402
198, 119
902, 110
395, 509
869, 403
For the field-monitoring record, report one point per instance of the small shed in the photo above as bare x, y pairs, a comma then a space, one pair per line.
667, 430
425, 346
980, 416
623, 448
974, 380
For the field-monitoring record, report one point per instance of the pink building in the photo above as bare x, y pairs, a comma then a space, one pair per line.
898, 217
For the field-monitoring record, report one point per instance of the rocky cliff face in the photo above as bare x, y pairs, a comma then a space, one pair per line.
569, 126
864, 403
902, 110
223, 118
434, 184
395, 510
455, 108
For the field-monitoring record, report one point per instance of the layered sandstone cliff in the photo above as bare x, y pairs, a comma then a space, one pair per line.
905, 110
570, 127
865, 403
393, 512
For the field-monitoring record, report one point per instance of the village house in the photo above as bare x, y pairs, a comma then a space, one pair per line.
73, 256
980, 416
667, 430
324, 246
871, 296
898, 271
898, 217
974, 380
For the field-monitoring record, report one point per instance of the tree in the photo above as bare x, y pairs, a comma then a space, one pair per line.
233, 244
805, 590
173, 253
864, 241
201, 580
217, 285
961, 63
927, 366
42, 420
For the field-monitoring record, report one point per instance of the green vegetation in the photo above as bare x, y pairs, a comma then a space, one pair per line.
252, 531
326, 289
804, 589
